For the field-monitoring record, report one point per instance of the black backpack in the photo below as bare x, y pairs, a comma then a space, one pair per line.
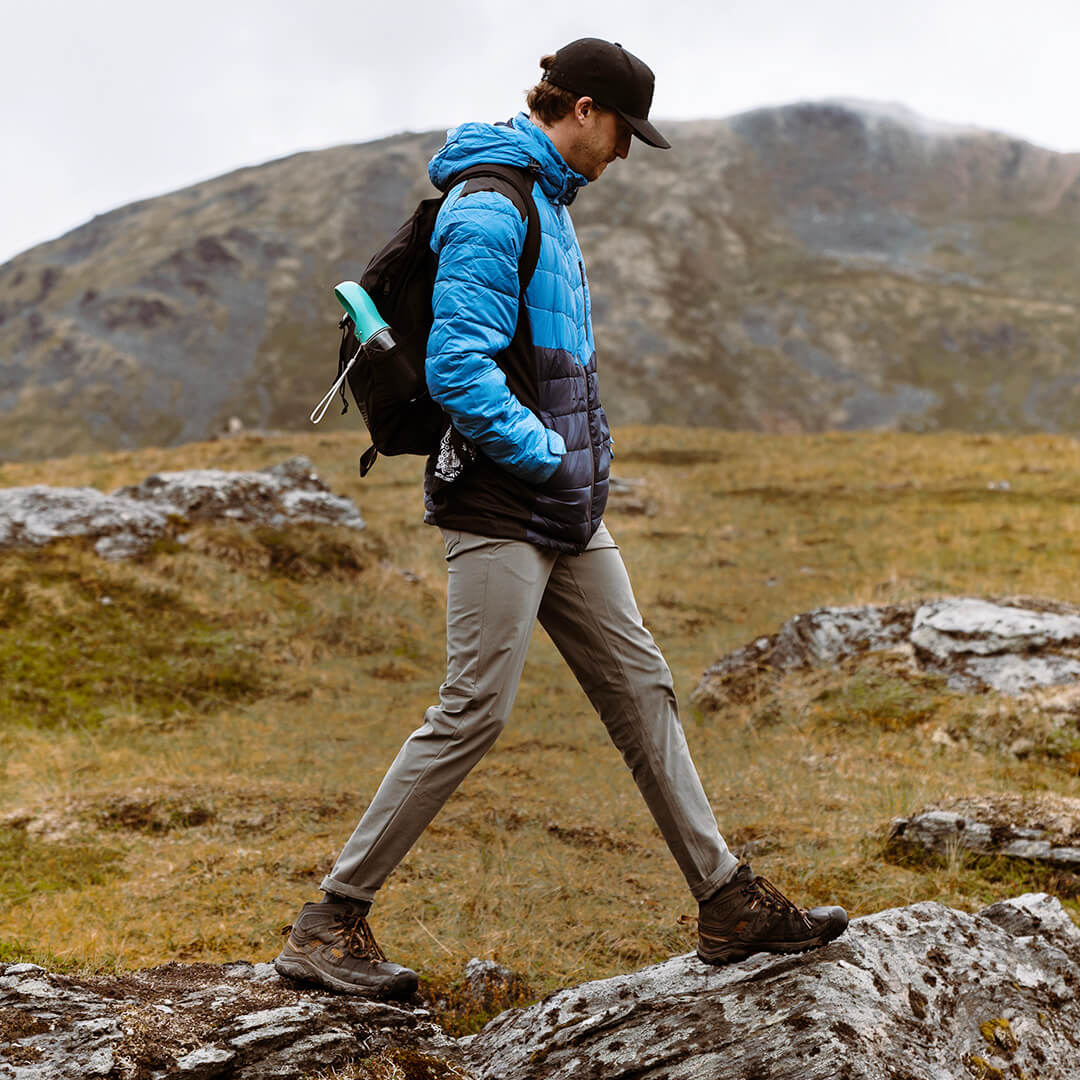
386, 376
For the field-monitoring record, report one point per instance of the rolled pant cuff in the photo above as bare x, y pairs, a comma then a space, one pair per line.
339, 888
716, 880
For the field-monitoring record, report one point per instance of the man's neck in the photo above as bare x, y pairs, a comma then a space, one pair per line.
557, 135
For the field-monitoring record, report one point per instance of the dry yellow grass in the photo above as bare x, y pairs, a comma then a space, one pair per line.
144, 833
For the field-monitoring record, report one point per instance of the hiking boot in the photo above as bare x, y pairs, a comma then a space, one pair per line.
331, 944
750, 915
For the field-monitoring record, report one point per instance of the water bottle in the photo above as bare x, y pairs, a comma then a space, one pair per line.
377, 340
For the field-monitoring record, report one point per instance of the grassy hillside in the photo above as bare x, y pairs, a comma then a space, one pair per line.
188, 739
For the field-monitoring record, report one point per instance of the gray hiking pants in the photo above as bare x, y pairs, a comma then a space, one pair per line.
497, 589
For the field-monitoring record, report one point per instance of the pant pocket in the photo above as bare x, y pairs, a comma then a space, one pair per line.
451, 541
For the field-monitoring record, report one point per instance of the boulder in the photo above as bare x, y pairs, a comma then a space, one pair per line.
119, 526
916, 993
129, 520
1011, 646
1007, 647
1036, 828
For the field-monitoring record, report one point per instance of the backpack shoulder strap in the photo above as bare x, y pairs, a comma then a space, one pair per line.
516, 184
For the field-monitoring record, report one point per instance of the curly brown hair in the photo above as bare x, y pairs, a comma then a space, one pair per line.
546, 100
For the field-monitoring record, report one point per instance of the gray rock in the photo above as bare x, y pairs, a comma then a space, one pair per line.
976, 644
204, 1063
1068, 857
988, 628
99, 1063
273, 1026
132, 518
943, 831
195, 1021
822, 636
1027, 849
919, 993
1007, 648
1034, 914
830, 634
1040, 829
120, 526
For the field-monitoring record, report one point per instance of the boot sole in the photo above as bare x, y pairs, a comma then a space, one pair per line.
733, 953
303, 970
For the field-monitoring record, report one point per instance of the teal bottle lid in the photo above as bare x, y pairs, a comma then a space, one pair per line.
361, 309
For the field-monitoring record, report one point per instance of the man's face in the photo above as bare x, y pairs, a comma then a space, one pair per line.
603, 135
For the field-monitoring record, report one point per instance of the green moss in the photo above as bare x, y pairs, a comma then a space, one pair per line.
301, 553
986, 878
876, 697
30, 867
1063, 744
77, 641
397, 1063
297, 553
154, 814
458, 1010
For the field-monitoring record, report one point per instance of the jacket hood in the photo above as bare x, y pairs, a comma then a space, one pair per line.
519, 142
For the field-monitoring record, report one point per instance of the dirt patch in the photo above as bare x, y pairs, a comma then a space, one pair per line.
157, 811
14, 1026
151, 812
526, 746
169, 1011
174, 981
589, 836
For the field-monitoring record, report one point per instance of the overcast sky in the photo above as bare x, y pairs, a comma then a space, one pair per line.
110, 102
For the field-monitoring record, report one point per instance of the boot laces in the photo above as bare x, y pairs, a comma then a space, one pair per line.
358, 939
763, 893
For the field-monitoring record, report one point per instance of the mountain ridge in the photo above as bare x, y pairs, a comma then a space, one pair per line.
801, 267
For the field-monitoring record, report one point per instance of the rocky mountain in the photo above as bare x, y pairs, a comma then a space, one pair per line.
816, 266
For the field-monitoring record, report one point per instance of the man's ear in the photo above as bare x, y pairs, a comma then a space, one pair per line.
582, 108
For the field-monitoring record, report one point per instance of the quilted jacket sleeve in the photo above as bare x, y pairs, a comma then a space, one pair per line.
478, 240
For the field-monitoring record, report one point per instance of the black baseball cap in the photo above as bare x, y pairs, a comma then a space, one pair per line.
612, 77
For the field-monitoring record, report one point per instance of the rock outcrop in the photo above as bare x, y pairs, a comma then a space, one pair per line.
916, 993
129, 520
1011, 646
919, 993
192, 1021
1035, 828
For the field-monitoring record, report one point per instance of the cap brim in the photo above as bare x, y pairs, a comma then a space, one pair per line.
646, 132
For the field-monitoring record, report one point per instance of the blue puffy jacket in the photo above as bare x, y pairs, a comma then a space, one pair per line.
542, 471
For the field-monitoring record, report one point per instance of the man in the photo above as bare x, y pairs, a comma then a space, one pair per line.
519, 489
